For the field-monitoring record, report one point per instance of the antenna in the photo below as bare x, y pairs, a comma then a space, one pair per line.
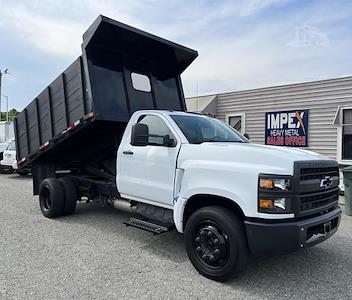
197, 97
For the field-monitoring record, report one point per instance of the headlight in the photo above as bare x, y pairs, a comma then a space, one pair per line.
274, 193
283, 184
273, 204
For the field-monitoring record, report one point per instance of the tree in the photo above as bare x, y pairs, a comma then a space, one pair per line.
12, 114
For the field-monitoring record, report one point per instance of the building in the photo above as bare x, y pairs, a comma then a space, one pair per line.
6, 131
316, 116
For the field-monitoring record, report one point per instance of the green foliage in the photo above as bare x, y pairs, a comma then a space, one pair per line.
12, 114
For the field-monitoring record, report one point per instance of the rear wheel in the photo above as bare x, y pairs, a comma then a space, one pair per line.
51, 198
71, 195
216, 243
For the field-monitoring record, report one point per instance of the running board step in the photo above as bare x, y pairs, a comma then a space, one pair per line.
144, 225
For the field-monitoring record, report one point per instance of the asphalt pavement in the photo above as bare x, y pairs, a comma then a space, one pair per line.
92, 255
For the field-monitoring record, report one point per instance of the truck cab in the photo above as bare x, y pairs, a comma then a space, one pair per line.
9, 157
8, 164
280, 199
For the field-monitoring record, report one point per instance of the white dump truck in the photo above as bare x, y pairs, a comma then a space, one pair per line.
112, 128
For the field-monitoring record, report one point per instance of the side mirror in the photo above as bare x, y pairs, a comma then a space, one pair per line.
168, 142
246, 135
139, 135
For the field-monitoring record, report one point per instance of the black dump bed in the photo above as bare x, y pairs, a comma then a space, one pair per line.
84, 111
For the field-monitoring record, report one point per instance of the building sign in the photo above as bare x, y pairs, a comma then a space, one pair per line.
287, 128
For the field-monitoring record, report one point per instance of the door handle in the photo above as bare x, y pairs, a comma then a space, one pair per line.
127, 152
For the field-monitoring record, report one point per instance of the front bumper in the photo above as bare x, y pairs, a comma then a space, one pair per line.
6, 162
5, 169
290, 236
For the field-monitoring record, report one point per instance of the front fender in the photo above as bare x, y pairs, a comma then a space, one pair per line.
180, 203
224, 181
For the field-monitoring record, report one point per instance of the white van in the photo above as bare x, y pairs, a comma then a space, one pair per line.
9, 157
8, 164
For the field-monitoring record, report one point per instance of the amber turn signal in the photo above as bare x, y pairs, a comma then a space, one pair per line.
266, 183
266, 203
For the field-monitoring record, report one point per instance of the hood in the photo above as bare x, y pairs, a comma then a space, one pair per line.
266, 159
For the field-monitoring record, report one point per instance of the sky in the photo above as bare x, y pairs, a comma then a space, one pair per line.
242, 44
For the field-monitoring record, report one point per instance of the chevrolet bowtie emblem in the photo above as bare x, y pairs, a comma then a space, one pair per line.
325, 182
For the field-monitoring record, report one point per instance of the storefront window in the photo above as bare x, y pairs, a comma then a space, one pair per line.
347, 135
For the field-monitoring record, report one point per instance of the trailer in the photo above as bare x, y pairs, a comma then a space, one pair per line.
75, 124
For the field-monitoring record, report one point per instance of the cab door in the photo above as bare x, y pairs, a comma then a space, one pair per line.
148, 172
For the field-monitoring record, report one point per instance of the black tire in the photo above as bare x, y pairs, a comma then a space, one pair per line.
222, 253
51, 198
22, 173
6, 170
71, 195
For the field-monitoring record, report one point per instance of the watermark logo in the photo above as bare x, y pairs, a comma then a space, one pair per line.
307, 36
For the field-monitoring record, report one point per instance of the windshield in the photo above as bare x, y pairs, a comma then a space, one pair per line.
3, 146
12, 146
200, 129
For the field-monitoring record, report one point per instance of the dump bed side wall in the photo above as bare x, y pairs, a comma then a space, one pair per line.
61, 104
98, 91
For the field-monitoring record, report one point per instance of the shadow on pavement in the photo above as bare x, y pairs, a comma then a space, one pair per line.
107, 219
310, 272
16, 176
293, 275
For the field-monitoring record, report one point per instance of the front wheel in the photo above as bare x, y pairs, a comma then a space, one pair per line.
216, 243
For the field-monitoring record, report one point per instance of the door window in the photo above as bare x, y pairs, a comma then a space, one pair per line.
347, 134
157, 129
